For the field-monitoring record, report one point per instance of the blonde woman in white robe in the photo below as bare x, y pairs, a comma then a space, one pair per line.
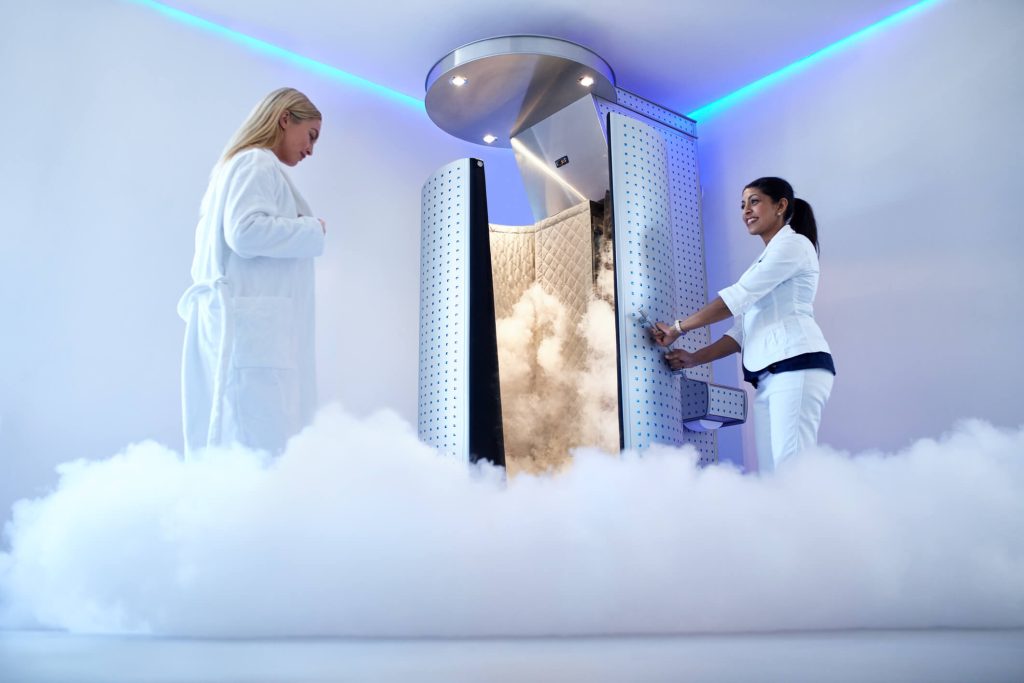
248, 363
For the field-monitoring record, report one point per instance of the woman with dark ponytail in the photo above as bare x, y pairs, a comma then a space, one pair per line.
785, 355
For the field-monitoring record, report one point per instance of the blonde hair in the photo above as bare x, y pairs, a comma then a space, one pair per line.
261, 128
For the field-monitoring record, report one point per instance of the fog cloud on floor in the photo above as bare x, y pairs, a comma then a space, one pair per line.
359, 529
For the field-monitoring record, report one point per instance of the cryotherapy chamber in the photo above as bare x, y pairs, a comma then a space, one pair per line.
531, 338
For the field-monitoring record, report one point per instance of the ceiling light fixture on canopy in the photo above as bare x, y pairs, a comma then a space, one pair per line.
511, 83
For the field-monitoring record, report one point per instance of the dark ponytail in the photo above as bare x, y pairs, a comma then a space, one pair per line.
799, 214
802, 221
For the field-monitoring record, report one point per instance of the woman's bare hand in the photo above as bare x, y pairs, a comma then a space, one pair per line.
679, 359
664, 334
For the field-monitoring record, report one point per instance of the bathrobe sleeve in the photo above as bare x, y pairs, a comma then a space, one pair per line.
255, 197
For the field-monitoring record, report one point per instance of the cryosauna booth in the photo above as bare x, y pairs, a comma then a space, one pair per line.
533, 338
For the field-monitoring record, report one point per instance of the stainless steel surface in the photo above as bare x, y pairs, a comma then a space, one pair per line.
656, 112
512, 83
575, 136
443, 419
658, 254
645, 278
687, 241
708, 406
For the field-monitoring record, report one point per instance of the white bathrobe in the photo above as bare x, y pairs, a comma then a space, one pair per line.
248, 364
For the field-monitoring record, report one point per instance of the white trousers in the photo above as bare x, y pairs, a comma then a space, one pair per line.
787, 412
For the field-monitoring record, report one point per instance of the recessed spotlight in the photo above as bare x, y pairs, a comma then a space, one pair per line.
458, 81
489, 138
586, 81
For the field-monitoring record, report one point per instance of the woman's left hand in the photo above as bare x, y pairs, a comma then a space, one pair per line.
678, 359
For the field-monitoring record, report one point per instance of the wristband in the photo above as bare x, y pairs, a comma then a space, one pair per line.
679, 328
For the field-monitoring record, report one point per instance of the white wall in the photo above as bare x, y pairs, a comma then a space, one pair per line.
908, 146
114, 115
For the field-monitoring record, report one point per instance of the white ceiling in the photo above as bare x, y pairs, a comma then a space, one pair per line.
682, 54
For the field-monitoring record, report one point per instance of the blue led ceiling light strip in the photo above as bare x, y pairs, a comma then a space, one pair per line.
709, 110
351, 79
281, 53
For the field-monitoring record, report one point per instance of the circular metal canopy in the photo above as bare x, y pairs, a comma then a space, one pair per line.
501, 86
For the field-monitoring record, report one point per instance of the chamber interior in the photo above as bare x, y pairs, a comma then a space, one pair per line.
554, 300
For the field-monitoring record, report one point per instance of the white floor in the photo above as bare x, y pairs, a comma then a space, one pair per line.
875, 656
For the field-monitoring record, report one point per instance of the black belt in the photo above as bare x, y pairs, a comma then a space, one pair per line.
817, 360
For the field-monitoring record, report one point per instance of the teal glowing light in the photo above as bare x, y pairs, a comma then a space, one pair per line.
709, 110
280, 53
703, 113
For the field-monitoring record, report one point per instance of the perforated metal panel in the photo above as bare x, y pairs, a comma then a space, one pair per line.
688, 240
727, 404
713, 402
645, 279
691, 267
687, 229
444, 309
689, 271
695, 399
656, 112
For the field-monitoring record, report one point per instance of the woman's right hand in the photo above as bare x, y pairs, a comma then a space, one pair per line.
680, 359
664, 334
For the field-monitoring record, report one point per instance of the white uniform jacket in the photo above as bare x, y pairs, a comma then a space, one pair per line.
773, 303
248, 372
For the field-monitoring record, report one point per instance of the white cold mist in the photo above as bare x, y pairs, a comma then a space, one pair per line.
359, 529
558, 380
535, 391
597, 382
